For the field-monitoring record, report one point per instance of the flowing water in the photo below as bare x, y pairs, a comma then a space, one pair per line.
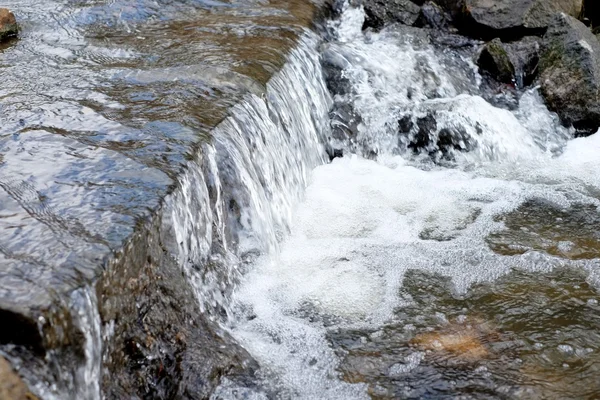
452, 252
453, 258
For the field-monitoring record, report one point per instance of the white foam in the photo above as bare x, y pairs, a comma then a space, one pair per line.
362, 223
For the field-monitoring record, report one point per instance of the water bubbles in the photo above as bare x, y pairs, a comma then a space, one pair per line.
566, 349
410, 363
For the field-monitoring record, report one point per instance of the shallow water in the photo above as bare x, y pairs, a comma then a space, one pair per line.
412, 267
424, 272
106, 108
101, 104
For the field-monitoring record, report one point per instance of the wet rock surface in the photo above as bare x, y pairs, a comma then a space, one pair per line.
8, 25
486, 343
382, 12
570, 73
525, 57
86, 160
433, 16
494, 59
511, 19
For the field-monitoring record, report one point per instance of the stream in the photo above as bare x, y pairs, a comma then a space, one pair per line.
357, 214
464, 271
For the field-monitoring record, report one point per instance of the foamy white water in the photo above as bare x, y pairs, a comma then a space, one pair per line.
362, 224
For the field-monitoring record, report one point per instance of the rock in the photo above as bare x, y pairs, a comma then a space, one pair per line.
333, 67
344, 121
445, 39
432, 16
494, 59
8, 24
463, 341
453, 139
570, 73
12, 386
405, 124
333, 152
382, 12
422, 139
511, 19
434, 136
591, 12
525, 57
515, 62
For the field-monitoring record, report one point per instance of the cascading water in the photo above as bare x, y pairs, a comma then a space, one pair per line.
237, 198
435, 173
335, 277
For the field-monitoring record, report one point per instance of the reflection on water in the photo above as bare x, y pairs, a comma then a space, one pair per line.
524, 336
572, 233
101, 104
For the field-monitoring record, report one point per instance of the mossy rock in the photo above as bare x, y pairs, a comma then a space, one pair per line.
494, 59
570, 73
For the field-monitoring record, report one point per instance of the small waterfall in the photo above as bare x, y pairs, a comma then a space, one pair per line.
236, 198
431, 163
84, 305
233, 202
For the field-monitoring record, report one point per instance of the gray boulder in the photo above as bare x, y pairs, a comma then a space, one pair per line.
494, 59
510, 19
525, 57
382, 12
570, 73
515, 62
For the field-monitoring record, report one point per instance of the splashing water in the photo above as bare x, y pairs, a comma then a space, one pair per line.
363, 224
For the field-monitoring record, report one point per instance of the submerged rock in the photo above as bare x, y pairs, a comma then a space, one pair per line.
12, 386
432, 136
382, 12
464, 341
494, 59
427, 128
570, 73
8, 24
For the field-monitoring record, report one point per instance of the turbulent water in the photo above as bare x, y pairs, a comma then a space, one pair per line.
413, 270
453, 251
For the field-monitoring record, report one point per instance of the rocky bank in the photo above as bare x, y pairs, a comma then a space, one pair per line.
522, 43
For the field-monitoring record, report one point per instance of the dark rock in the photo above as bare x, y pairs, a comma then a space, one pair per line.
453, 139
591, 12
405, 124
525, 57
426, 138
344, 121
432, 16
334, 153
427, 128
333, 66
570, 73
446, 39
494, 60
515, 62
512, 19
382, 12
8, 25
